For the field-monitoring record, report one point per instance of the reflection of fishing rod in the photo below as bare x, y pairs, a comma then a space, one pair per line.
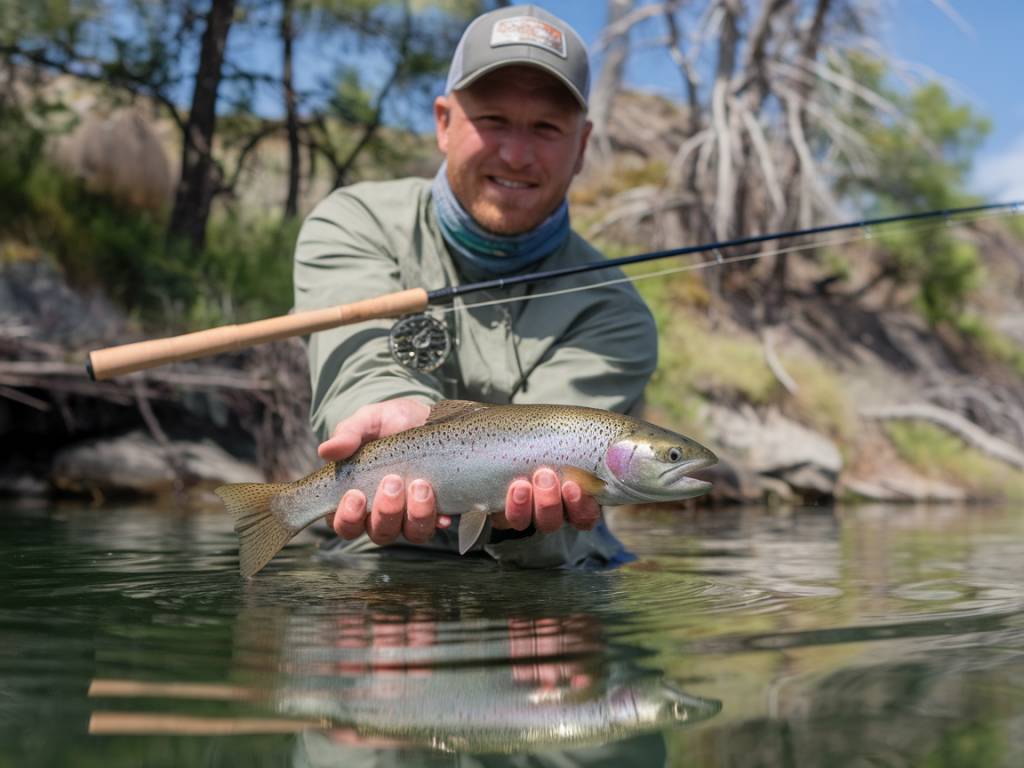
421, 342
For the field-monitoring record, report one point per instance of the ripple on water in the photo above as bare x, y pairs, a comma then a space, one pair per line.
804, 623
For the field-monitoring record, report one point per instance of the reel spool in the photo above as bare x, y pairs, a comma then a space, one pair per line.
420, 342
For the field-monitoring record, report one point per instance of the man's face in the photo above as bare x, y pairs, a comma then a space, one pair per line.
514, 139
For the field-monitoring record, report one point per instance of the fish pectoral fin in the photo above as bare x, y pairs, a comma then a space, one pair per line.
471, 525
590, 483
450, 409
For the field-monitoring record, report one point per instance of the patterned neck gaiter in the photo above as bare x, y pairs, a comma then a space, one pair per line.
481, 254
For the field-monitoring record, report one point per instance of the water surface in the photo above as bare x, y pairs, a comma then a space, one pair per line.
867, 636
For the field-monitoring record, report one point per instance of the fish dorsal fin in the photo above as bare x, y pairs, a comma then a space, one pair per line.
450, 409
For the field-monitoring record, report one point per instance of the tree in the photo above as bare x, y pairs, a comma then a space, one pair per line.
291, 108
921, 163
777, 115
415, 40
615, 44
198, 183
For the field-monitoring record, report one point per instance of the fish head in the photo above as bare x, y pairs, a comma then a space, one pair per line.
653, 464
657, 702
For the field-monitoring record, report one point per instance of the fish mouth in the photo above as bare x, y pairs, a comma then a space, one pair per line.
675, 483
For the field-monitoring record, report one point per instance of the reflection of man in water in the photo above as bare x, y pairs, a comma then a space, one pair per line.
512, 125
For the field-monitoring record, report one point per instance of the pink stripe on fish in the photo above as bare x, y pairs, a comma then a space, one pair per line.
618, 458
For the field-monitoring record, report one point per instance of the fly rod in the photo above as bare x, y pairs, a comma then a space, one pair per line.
107, 363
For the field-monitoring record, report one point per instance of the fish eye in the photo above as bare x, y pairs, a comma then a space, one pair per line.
674, 455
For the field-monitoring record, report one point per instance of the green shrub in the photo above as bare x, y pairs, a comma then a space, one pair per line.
936, 453
243, 273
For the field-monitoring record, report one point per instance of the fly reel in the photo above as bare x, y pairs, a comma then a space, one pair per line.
420, 342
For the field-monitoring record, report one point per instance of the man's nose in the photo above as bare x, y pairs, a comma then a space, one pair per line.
517, 149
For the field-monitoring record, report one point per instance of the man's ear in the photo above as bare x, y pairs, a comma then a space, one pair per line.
587, 128
442, 116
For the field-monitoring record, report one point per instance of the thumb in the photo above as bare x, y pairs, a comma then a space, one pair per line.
348, 436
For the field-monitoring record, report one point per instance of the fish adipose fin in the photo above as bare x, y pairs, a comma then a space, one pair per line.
450, 409
471, 525
260, 534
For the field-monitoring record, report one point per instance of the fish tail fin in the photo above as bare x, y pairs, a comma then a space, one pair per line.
260, 534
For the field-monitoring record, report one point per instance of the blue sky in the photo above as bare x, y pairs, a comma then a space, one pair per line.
980, 58
978, 55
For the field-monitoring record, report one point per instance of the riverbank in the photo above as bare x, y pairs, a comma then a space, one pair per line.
840, 403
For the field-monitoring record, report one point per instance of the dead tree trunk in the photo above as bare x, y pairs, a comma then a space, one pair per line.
609, 82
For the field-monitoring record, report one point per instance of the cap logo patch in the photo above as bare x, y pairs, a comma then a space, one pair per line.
527, 30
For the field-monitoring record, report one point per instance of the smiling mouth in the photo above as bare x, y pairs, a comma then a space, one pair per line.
510, 183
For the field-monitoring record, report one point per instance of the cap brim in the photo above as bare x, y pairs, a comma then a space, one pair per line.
472, 78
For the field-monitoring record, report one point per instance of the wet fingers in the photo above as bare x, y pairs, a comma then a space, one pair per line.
421, 512
388, 510
350, 519
582, 511
547, 501
518, 505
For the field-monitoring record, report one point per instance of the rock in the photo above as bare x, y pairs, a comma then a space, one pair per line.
208, 462
136, 464
119, 155
769, 444
732, 482
37, 304
902, 488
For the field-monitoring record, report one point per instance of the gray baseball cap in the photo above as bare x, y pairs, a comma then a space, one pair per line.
521, 34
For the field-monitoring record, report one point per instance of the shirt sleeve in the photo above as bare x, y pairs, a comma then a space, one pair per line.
342, 255
605, 358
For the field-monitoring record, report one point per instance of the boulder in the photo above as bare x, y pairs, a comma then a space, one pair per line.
771, 445
119, 155
136, 464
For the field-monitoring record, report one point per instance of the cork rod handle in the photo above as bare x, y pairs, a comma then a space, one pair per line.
128, 358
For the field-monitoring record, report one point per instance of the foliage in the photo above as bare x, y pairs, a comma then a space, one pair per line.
247, 266
921, 161
243, 273
939, 454
994, 344
698, 363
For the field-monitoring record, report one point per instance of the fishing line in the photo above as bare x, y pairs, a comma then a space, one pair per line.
719, 260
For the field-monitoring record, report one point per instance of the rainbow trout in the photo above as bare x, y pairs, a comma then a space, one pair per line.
470, 452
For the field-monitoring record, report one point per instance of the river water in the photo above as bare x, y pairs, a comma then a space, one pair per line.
742, 637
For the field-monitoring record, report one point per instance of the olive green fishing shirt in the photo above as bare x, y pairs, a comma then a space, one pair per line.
596, 347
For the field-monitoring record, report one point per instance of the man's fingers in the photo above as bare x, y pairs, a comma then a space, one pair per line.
350, 519
547, 501
361, 426
518, 506
388, 510
582, 510
338, 447
421, 512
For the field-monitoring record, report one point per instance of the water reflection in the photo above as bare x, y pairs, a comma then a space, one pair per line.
887, 636
391, 663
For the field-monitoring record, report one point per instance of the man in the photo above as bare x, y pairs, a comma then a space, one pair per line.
512, 126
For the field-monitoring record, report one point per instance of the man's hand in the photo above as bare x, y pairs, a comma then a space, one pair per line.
412, 511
